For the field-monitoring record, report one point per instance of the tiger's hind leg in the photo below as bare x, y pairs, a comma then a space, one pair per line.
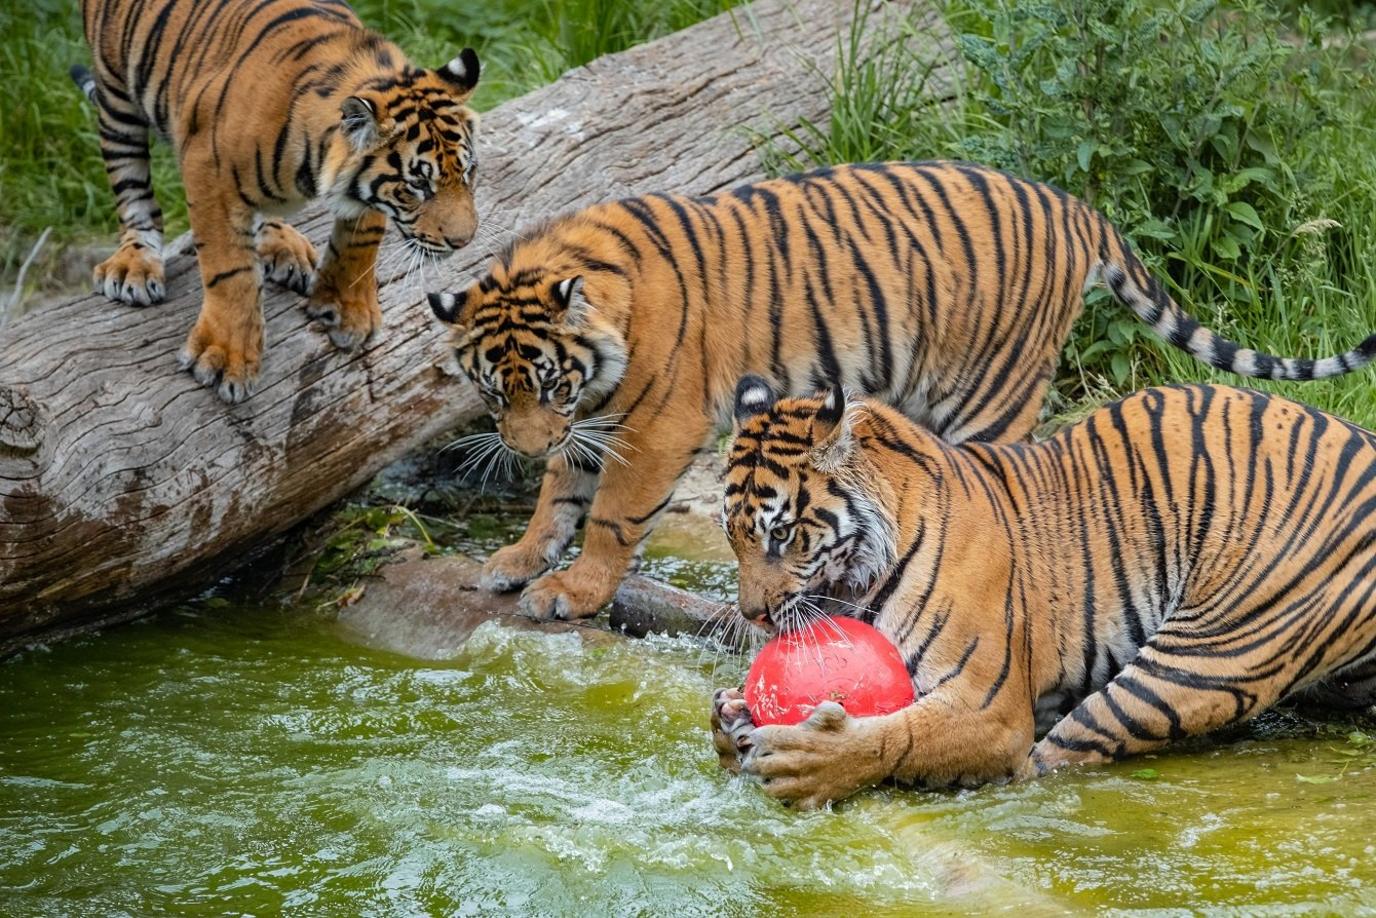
134, 273
1155, 700
345, 295
288, 258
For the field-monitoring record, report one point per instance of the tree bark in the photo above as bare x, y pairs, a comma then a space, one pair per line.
123, 483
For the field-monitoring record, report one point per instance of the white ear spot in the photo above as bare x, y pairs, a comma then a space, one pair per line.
566, 288
445, 306
456, 69
755, 399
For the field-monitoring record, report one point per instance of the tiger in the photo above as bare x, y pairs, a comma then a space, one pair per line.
267, 104
1179, 561
609, 341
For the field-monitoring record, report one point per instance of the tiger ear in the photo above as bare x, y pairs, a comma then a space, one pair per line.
754, 396
462, 71
830, 431
358, 121
569, 296
451, 308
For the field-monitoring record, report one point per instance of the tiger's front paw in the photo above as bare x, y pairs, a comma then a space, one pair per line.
731, 728
567, 595
827, 757
224, 351
133, 275
513, 566
352, 317
288, 257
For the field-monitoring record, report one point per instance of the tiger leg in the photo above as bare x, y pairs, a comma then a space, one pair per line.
345, 295
226, 344
134, 273
288, 258
1153, 701
623, 513
565, 493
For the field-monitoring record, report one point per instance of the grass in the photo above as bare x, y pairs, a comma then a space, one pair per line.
1233, 142
51, 173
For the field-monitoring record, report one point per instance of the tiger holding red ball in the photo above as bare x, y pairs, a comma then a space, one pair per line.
1179, 561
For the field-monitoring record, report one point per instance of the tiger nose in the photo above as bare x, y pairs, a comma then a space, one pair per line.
757, 615
539, 452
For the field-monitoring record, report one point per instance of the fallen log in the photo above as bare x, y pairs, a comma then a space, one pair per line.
124, 484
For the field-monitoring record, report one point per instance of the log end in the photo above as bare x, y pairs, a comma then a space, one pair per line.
22, 420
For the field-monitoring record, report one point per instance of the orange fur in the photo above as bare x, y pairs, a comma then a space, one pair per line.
945, 289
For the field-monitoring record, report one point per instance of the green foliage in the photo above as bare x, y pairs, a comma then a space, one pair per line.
363, 537
51, 172
1357, 753
1227, 140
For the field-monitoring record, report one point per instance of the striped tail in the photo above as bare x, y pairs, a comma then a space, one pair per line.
1130, 283
85, 80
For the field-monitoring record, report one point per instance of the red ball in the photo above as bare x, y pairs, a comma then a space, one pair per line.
835, 659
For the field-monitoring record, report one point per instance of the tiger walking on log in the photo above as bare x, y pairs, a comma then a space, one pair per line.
1177, 562
610, 340
269, 103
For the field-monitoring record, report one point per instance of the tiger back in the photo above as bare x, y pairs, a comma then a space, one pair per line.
269, 103
609, 341
1177, 562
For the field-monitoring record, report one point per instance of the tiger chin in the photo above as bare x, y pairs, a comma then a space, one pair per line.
268, 104
1177, 562
608, 341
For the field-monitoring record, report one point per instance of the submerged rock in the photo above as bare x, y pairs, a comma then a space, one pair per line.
427, 607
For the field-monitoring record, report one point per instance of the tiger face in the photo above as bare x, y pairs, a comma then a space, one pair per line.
409, 153
536, 350
797, 511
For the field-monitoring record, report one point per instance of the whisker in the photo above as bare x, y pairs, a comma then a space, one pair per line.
481, 436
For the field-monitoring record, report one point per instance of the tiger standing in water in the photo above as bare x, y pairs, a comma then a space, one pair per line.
269, 103
609, 341
1177, 562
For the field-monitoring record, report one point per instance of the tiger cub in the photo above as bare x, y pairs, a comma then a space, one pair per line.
269, 103
609, 340
1179, 561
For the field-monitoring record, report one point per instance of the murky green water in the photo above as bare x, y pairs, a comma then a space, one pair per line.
229, 760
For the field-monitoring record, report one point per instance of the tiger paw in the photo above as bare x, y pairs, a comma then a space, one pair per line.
827, 757
224, 352
133, 275
731, 727
512, 566
567, 595
288, 257
352, 320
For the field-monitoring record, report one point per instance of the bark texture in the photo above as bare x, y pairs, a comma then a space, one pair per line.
122, 482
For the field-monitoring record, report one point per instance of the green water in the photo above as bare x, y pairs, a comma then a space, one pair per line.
237, 760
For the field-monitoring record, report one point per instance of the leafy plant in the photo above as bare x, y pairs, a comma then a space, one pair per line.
361, 540
1228, 142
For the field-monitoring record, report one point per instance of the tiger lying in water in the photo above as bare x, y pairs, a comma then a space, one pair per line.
269, 103
627, 325
1177, 562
